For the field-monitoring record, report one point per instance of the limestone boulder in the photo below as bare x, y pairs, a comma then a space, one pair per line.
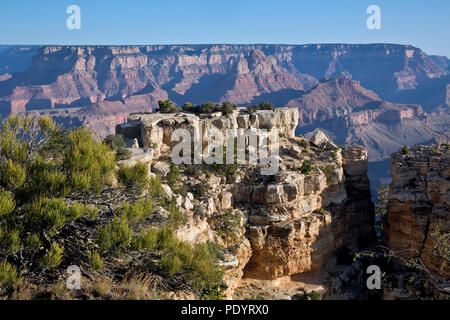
320, 140
161, 169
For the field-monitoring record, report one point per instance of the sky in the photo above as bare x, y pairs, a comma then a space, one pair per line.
424, 24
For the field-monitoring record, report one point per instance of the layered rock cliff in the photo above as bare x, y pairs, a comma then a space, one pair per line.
417, 223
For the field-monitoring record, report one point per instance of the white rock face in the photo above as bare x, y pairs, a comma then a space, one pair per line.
167, 191
161, 169
155, 129
319, 139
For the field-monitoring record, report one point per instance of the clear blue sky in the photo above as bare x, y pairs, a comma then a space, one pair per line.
422, 23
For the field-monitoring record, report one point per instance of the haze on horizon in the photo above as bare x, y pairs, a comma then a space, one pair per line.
421, 24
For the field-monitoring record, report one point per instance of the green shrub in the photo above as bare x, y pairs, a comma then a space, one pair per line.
114, 141
193, 171
404, 150
135, 176
95, 260
10, 240
306, 167
176, 217
200, 190
139, 210
228, 108
173, 176
115, 235
13, 174
76, 210
182, 190
264, 105
328, 170
117, 144
7, 203
33, 241
204, 275
166, 238
146, 239
44, 180
213, 292
89, 164
171, 263
92, 212
197, 264
225, 169
314, 295
54, 257
48, 214
229, 223
155, 188
8, 275
167, 106
123, 154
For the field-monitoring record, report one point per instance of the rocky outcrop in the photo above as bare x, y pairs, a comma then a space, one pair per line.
154, 130
417, 222
293, 221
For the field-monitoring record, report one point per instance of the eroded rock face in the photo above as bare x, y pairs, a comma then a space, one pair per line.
292, 221
419, 204
296, 246
314, 214
154, 130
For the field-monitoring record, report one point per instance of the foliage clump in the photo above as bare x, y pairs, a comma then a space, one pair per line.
117, 144
226, 108
263, 105
173, 176
167, 106
306, 167
115, 235
135, 176
89, 164
404, 150
137, 211
328, 170
54, 257
9, 276
95, 260
229, 223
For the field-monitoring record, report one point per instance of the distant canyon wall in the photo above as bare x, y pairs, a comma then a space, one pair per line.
351, 91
